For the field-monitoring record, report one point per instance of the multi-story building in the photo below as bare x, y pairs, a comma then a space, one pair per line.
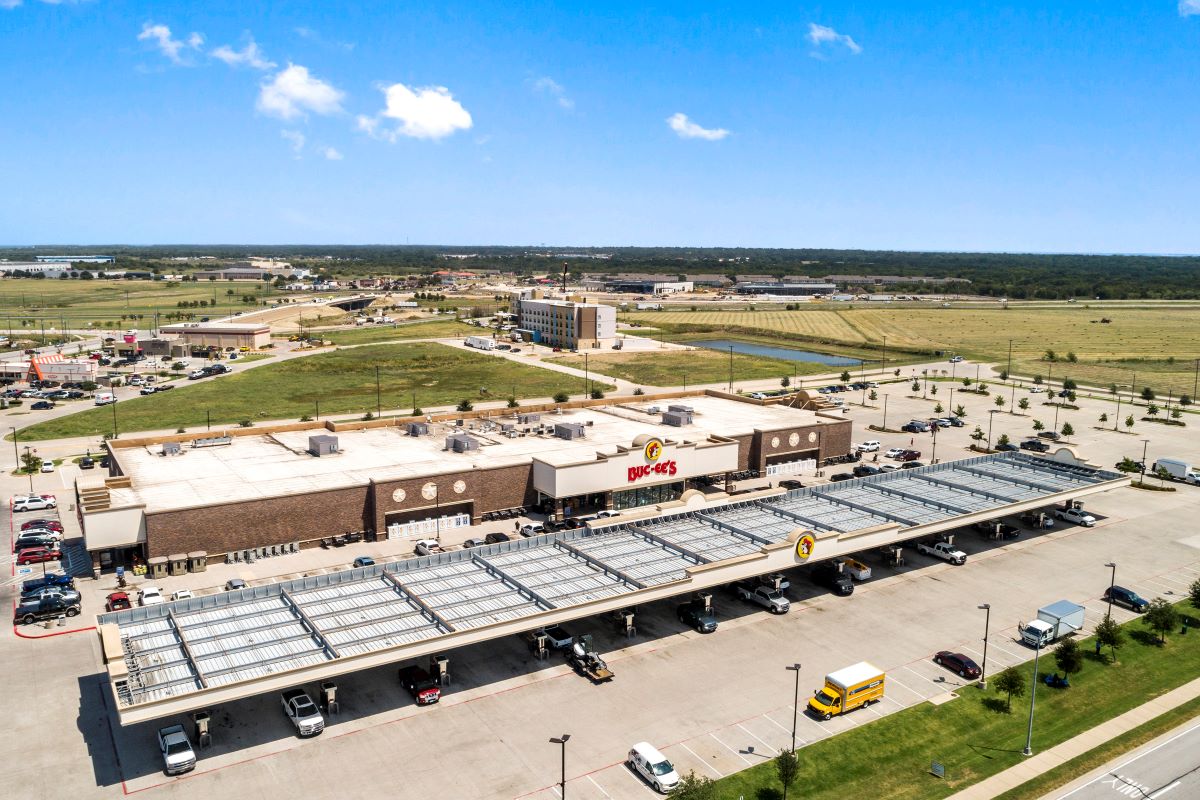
569, 325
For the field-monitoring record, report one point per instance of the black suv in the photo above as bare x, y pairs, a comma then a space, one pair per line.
1121, 596
829, 575
694, 615
863, 470
46, 608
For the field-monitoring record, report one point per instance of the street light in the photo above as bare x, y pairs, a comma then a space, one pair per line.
562, 783
987, 621
1113, 566
1028, 751
795, 702
1145, 444
991, 416
731, 369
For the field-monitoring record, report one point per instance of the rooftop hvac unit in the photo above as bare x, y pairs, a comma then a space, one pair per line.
171, 449
526, 419
568, 430
681, 409
416, 429
461, 443
677, 419
653, 410
322, 445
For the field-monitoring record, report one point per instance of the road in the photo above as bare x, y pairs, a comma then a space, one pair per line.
1168, 767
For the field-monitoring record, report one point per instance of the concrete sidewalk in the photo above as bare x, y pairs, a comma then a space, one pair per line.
1047, 760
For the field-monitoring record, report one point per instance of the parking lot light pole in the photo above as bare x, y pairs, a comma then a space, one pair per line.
795, 702
1145, 443
987, 621
1028, 751
991, 416
1113, 566
562, 780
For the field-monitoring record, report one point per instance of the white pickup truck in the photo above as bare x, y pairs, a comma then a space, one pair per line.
944, 551
303, 712
765, 596
1076, 515
855, 569
177, 753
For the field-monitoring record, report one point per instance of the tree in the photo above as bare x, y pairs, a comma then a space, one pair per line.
1110, 635
845, 376
1038, 425
1068, 656
873, 395
785, 381
1103, 418
1011, 683
597, 394
966, 382
561, 397
978, 434
1152, 410
512, 402
1129, 421
1072, 357
1194, 593
1127, 464
937, 408
1003, 374
1162, 475
416, 412
1185, 399
1049, 355
959, 411
178, 366
916, 386
1003, 439
30, 462
464, 405
933, 389
1176, 413
1037, 379
999, 401
1068, 429
787, 769
694, 787
1147, 393
1071, 396
1023, 404
1161, 616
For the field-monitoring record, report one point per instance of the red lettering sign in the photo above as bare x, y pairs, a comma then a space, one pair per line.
660, 468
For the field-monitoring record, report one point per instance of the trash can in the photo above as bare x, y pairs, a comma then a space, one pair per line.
198, 561
178, 563
157, 567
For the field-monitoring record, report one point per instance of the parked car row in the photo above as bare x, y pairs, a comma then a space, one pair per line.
49, 597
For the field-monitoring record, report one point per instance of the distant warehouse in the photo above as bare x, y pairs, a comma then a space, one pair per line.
220, 334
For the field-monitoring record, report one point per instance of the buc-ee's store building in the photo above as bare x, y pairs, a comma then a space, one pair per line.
220, 495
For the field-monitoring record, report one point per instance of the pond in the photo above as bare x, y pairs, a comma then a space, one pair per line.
769, 351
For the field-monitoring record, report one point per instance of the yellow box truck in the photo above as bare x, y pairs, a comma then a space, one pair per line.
858, 685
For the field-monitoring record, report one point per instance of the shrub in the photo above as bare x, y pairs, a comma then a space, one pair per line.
1011, 683
1161, 617
245, 424
512, 402
1068, 656
1110, 635
639, 391
306, 418
561, 397
597, 394
464, 405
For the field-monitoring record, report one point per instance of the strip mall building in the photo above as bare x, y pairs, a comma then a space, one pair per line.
300, 484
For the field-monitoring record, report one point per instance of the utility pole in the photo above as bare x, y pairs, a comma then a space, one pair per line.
1028, 751
1113, 566
987, 621
884, 370
731, 369
795, 703
378, 404
885, 397
562, 741
1145, 444
1117, 416
1009, 370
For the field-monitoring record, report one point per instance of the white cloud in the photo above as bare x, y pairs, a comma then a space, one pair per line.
297, 140
292, 91
820, 34
160, 35
9, 3
1189, 8
553, 88
429, 112
332, 154
690, 130
315, 37
249, 56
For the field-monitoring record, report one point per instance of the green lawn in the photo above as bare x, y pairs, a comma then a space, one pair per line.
342, 381
691, 367
890, 757
433, 329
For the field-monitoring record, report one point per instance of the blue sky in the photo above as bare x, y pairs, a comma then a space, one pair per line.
933, 125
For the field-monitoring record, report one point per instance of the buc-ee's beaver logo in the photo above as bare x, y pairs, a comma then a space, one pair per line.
805, 545
653, 452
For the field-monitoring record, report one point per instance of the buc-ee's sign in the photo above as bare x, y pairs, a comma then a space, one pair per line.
655, 464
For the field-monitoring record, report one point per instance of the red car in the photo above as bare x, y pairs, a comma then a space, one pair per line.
49, 524
118, 601
909, 455
959, 663
37, 555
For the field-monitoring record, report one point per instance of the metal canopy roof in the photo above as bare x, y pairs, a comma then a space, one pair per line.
201, 643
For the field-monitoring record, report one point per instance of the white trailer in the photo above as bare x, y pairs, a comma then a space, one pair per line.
1179, 470
481, 342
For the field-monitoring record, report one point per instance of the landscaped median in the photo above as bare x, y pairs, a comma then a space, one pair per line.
974, 736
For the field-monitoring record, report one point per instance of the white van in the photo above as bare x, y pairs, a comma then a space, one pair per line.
104, 398
653, 767
1179, 470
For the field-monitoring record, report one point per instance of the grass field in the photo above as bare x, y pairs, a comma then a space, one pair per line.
76, 304
433, 329
1159, 343
684, 367
890, 757
343, 382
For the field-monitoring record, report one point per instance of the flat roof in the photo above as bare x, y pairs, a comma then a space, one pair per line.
317, 626
278, 464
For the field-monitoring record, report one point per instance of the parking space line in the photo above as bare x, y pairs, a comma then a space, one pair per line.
783, 728
1170, 589
1003, 650
919, 675
1166, 576
598, 786
748, 733
703, 761
730, 749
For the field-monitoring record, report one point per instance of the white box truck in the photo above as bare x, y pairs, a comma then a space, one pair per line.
481, 342
1053, 622
1179, 470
